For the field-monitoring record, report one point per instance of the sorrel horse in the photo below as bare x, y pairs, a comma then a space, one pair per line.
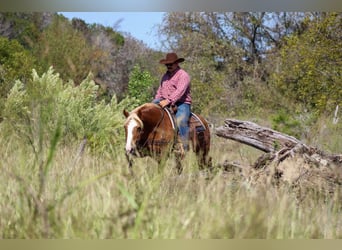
151, 131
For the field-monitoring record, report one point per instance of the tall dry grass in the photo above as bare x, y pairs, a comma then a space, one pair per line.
95, 197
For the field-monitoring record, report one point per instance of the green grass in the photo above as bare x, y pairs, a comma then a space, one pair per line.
95, 197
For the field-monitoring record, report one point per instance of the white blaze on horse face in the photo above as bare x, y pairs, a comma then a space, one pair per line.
130, 144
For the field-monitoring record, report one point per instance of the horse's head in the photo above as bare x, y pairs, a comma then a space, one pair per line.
133, 129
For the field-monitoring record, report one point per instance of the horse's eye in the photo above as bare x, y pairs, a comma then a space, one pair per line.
139, 129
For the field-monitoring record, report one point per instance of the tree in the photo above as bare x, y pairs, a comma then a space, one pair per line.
310, 67
70, 54
25, 27
16, 63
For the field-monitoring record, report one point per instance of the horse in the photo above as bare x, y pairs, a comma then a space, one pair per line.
151, 130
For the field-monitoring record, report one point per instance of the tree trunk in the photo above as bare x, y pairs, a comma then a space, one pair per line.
286, 160
278, 145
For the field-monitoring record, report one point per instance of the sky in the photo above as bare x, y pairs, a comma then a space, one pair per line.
141, 25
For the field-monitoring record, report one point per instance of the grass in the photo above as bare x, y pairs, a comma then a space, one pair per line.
96, 198
51, 192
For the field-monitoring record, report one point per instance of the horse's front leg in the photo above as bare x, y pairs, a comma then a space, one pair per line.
130, 163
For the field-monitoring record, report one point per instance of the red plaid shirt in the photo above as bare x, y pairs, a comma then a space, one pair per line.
175, 87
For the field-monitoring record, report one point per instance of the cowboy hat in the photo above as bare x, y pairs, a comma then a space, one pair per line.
171, 58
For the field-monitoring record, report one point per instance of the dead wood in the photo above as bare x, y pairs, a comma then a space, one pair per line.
286, 154
277, 145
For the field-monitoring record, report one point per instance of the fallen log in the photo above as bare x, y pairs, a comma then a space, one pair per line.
286, 160
277, 145
265, 139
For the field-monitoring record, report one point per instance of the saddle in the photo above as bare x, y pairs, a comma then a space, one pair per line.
194, 120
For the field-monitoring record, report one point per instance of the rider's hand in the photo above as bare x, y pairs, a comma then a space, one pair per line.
164, 103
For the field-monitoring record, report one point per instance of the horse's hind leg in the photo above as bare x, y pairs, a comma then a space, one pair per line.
205, 161
201, 148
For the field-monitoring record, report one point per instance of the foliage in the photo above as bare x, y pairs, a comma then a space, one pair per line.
140, 86
310, 67
284, 121
35, 110
115, 37
75, 48
223, 51
206, 96
233, 37
70, 54
256, 33
15, 63
24, 27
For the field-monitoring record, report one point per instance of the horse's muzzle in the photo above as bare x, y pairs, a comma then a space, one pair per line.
130, 151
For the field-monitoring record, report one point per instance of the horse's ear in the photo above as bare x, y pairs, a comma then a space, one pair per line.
126, 113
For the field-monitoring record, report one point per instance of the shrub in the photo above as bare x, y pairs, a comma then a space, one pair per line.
140, 86
35, 110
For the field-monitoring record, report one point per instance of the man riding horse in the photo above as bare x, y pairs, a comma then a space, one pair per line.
174, 90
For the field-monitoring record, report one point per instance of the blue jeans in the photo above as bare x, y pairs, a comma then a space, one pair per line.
182, 120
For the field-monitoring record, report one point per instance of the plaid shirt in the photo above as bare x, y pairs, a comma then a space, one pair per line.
175, 87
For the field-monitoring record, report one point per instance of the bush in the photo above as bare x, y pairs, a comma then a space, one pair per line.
36, 110
140, 86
